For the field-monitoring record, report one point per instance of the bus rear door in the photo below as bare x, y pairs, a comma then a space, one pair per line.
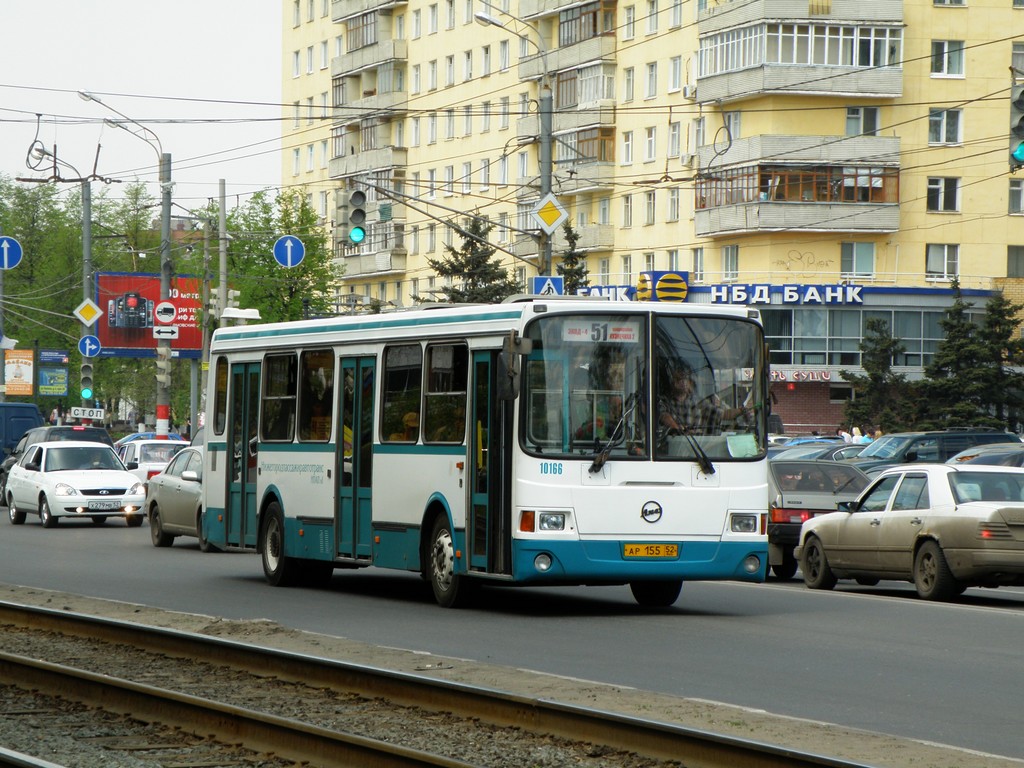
353, 528
243, 437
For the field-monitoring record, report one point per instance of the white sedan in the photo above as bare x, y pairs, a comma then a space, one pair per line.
73, 479
940, 526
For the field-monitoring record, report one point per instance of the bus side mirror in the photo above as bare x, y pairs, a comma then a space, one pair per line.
509, 365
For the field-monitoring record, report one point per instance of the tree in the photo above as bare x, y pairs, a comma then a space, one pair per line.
573, 268
881, 397
956, 385
1004, 358
478, 277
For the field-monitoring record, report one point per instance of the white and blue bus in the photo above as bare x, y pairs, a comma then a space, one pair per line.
516, 443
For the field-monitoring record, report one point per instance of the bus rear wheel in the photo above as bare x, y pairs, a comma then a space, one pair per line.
451, 590
281, 571
656, 594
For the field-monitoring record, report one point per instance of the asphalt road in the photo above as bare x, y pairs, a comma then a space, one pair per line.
877, 659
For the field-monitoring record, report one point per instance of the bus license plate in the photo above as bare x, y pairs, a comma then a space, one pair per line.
104, 505
651, 550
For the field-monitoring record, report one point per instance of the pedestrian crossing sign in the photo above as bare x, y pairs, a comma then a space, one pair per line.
548, 285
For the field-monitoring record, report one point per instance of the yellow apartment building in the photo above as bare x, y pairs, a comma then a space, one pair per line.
827, 161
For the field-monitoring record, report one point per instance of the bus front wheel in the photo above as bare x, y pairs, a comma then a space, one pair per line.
281, 571
450, 589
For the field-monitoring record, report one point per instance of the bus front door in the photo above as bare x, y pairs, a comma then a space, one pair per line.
243, 437
488, 527
353, 527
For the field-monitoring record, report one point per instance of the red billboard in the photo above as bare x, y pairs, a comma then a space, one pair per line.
134, 316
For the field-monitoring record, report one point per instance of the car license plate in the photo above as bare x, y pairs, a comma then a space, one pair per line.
651, 550
104, 505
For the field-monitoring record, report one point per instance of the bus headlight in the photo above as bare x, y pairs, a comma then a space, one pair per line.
752, 564
552, 521
743, 523
542, 562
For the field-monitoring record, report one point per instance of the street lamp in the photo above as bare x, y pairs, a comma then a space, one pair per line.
487, 19
163, 349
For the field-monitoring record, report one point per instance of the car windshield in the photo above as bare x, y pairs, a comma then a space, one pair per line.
817, 477
987, 486
64, 459
884, 447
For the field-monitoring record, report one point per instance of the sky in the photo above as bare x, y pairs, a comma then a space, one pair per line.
204, 76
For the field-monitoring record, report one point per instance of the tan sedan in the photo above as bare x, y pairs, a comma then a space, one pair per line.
942, 527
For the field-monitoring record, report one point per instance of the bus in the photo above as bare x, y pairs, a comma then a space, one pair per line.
508, 444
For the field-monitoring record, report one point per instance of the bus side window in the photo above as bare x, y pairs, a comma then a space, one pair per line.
279, 383
316, 395
444, 407
402, 383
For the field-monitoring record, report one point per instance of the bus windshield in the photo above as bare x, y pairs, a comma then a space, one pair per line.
593, 385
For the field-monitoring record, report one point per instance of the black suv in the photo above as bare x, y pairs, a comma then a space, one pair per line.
934, 447
42, 434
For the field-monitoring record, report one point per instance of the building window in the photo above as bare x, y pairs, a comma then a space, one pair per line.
943, 194
673, 260
604, 210
432, 19
627, 270
1016, 195
651, 86
675, 18
948, 58
675, 74
627, 210
944, 126
730, 262
941, 261
948, 2
652, 17
674, 139
627, 147
467, 65
467, 177
861, 121
296, 162
627, 84
650, 144
629, 22
673, 204
485, 66
449, 71
649, 207
697, 269
857, 260
504, 57
1015, 261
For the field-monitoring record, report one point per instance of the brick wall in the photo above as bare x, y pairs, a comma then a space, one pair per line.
806, 407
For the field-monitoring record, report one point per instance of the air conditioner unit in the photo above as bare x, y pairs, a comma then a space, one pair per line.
688, 160
689, 91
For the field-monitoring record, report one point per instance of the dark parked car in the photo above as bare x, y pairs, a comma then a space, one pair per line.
799, 490
933, 447
1001, 454
48, 434
828, 452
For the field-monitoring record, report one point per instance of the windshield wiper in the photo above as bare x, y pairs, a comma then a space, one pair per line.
602, 455
703, 461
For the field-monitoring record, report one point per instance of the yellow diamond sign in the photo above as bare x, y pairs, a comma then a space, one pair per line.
88, 312
549, 213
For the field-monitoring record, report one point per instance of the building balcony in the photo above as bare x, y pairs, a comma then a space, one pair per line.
375, 104
369, 56
785, 216
346, 9
573, 179
592, 50
361, 265
536, 8
724, 14
782, 149
368, 160
861, 82
570, 119
593, 237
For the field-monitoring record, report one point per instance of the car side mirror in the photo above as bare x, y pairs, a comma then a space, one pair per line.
911, 456
32, 466
132, 465
846, 506
191, 475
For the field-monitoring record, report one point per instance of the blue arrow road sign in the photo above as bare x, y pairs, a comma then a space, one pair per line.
10, 252
89, 346
289, 251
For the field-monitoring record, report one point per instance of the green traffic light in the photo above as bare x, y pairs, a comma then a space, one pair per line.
1018, 152
356, 234
86, 393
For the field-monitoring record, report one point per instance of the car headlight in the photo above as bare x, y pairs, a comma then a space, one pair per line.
139, 489
743, 523
63, 489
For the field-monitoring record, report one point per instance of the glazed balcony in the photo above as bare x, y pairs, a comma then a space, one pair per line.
368, 56
724, 14
357, 163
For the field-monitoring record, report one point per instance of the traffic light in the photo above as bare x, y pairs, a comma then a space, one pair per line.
356, 217
1016, 127
87, 390
163, 365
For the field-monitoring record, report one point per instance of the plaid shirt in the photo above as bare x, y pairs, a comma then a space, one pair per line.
702, 417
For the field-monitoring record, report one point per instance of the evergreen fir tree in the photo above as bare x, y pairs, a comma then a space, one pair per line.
881, 396
477, 276
573, 268
1004, 358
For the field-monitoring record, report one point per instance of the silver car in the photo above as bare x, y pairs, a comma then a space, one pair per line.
943, 527
174, 500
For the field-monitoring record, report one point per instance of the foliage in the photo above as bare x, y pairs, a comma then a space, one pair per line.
573, 267
478, 276
881, 397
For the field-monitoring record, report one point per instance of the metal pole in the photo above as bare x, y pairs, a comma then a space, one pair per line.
3, 354
87, 288
545, 162
222, 277
163, 386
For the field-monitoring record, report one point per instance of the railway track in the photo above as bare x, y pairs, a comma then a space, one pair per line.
299, 731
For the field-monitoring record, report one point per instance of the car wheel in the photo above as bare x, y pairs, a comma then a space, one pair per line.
656, 594
932, 577
814, 563
451, 590
785, 570
280, 570
204, 543
45, 515
134, 520
99, 520
17, 516
3, 486
159, 537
